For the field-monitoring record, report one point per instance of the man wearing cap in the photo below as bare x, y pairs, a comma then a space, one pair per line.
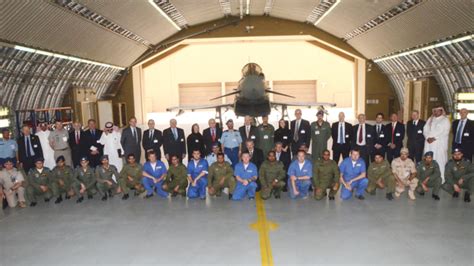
131, 139
300, 173
62, 180
266, 133
176, 180
221, 175
246, 175
8, 148
272, 177
86, 181
249, 131
353, 176
459, 174
429, 176
12, 185
59, 141
230, 142
154, 174
131, 177
212, 157
39, 183
197, 176
404, 171
320, 134
325, 176
29, 149
380, 176
107, 178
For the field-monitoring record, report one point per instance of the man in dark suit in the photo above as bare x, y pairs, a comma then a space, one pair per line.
29, 149
416, 139
77, 142
152, 140
341, 138
463, 134
381, 138
248, 131
396, 133
282, 156
174, 142
300, 132
211, 135
363, 139
131, 139
94, 149
256, 154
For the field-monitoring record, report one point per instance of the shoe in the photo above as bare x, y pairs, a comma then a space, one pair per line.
46, 200
79, 200
104, 198
331, 197
136, 193
277, 195
455, 194
33, 204
389, 196
174, 194
421, 193
230, 196
467, 197
67, 196
58, 200
110, 194
397, 194
251, 198
372, 193
411, 195
435, 197
148, 196
360, 197
90, 197
204, 198
22, 204
125, 197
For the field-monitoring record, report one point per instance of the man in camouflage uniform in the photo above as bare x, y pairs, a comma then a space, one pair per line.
266, 133
404, 171
272, 177
85, 180
39, 183
62, 180
131, 177
325, 176
320, 134
221, 175
176, 180
107, 178
429, 176
459, 174
380, 176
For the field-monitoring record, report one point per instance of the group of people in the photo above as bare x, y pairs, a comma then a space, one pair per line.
239, 162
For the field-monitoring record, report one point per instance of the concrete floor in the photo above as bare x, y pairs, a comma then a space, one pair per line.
217, 232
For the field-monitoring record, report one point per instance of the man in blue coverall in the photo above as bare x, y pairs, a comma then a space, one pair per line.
353, 176
154, 174
246, 174
197, 176
300, 173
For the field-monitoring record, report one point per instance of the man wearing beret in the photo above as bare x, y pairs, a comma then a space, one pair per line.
39, 183
107, 178
131, 177
429, 176
85, 182
12, 185
380, 176
459, 174
404, 171
320, 134
62, 180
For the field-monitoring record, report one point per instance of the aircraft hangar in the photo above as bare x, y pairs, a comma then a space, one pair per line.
133, 68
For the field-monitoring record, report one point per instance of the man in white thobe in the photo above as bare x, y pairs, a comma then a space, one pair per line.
48, 152
112, 147
436, 133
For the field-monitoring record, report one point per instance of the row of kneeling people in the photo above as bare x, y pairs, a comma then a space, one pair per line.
198, 179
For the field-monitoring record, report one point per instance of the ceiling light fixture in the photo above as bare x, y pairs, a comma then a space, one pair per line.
327, 12
164, 14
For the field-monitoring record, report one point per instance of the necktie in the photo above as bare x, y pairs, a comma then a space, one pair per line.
459, 133
151, 133
278, 156
297, 128
27, 145
175, 134
77, 138
414, 123
341, 134
393, 132
213, 135
378, 129
93, 133
360, 134
247, 131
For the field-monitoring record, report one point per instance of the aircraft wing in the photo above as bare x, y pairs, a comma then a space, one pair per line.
303, 104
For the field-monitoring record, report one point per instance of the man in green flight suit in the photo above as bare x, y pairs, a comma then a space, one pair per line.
221, 175
85, 180
62, 180
39, 183
459, 174
266, 133
380, 176
107, 178
176, 180
272, 177
325, 176
131, 177
320, 134
429, 176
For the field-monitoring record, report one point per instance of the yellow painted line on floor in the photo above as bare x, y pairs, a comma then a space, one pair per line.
263, 227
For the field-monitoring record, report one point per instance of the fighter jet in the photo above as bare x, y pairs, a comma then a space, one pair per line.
251, 97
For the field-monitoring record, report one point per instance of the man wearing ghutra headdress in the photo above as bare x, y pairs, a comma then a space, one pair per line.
436, 131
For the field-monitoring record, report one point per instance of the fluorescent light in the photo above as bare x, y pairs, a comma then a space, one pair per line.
72, 58
327, 12
463, 96
441, 44
247, 11
164, 14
